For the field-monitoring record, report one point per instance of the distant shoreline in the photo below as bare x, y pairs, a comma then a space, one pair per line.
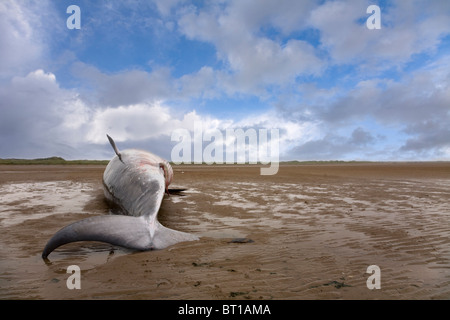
62, 161
52, 161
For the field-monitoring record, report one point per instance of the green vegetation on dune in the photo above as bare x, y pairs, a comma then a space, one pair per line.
296, 162
53, 161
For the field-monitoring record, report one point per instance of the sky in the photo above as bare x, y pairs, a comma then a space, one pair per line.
141, 70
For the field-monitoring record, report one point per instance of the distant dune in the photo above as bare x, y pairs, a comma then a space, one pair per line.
52, 161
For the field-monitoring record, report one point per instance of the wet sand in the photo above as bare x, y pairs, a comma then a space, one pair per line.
314, 230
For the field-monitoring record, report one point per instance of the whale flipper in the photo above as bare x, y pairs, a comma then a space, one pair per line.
116, 150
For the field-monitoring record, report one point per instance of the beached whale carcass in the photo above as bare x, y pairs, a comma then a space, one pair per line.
136, 181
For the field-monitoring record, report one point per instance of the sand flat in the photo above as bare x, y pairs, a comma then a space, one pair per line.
314, 229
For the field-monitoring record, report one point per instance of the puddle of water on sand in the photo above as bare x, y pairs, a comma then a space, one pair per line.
41, 199
298, 197
175, 199
239, 204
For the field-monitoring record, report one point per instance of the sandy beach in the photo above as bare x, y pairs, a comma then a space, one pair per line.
308, 232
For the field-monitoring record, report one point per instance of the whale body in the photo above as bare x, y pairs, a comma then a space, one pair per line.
136, 182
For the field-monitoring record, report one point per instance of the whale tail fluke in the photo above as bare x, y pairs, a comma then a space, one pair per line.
111, 229
116, 231
165, 237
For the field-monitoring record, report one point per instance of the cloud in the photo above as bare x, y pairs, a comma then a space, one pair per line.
19, 40
422, 94
253, 60
428, 136
201, 84
360, 137
132, 122
166, 6
337, 147
125, 87
137, 86
407, 28
414, 110
36, 115
29, 31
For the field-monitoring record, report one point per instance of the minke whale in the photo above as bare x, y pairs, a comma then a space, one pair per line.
136, 182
